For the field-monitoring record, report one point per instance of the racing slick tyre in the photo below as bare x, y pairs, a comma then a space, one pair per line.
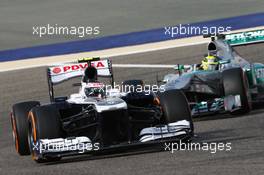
235, 82
44, 123
19, 121
175, 107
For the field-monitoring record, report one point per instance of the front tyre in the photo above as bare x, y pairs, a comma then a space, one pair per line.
235, 82
175, 107
43, 123
19, 121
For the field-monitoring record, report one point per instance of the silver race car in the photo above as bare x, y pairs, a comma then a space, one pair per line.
224, 81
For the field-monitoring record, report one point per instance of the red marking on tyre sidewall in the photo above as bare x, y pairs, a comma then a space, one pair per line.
14, 131
33, 129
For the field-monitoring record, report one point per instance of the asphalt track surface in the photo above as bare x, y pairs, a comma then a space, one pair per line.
244, 132
112, 16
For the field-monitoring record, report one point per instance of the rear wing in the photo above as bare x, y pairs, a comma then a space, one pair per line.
244, 38
239, 38
60, 73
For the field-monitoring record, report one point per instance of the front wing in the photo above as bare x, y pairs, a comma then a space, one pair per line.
61, 147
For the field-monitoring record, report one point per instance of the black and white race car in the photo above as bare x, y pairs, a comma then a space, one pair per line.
97, 118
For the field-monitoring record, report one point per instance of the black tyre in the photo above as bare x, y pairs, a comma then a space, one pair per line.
44, 123
19, 121
175, 107
235, 82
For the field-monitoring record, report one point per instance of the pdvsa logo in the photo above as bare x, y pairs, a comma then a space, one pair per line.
56, 70
76, 67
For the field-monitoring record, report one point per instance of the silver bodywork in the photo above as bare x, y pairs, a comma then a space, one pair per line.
191, 79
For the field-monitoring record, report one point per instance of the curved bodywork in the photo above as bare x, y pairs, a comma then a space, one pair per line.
204, 89
96, 118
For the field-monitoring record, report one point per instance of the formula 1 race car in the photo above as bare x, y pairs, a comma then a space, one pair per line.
232, 84
97, 118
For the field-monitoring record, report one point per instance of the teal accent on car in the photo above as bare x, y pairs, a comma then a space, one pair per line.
245, 37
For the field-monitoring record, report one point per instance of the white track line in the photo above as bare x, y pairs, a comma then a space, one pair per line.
150, 47
46, 61
142, 66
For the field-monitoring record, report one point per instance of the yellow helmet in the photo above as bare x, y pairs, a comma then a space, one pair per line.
209, 63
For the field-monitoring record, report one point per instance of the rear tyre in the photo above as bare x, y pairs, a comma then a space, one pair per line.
235, 82
44, 123
175, 107
19, 121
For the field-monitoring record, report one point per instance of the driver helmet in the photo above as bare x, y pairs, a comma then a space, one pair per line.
210, 62
94, 89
